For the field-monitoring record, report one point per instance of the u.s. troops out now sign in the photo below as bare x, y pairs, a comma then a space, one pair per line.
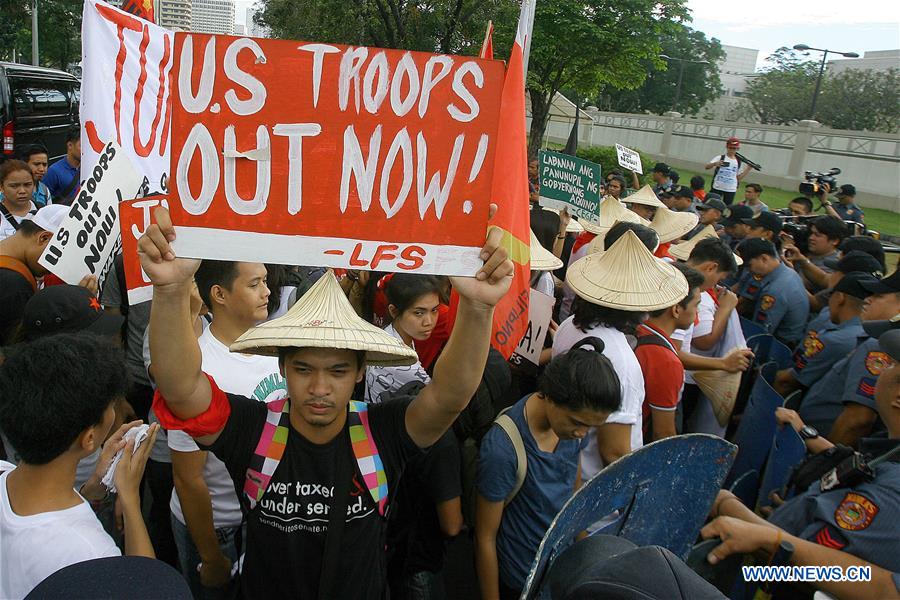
571, 183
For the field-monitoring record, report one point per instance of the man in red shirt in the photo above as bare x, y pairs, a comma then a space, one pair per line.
663, 371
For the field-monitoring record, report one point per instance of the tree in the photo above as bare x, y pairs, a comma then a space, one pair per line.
700, 82
59, 31
782, 93
857, 99
15, 29
446, 26
581, 44
852, 99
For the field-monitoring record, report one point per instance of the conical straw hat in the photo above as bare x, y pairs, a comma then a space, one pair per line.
324, 318
683, 250
645, 196
611, 212
721, 387
598, 244
671, 225
627, 277
541, 258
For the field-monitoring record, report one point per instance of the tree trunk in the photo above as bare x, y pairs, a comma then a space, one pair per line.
540, 113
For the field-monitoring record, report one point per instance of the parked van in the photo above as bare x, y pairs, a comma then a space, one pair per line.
37, 106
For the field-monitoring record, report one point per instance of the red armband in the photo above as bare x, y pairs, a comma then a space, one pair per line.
211, 421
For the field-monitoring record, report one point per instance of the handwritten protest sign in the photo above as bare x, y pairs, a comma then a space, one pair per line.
540, 310
571, 183
89, 235
332, 155
629, 159
125, 90
134, 218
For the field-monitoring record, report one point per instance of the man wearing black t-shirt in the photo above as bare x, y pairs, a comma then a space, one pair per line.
322, 357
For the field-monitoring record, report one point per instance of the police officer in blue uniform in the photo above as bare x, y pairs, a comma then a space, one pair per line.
846, 209
781, 305
833, 340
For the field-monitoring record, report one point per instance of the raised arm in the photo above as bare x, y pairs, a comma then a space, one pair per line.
173, 343
458, 371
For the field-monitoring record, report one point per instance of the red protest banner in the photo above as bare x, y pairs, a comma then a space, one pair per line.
327, 155
134, 218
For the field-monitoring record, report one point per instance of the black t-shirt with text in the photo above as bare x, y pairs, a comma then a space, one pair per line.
286, 531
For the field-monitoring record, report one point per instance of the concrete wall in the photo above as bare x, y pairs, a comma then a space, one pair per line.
870, 161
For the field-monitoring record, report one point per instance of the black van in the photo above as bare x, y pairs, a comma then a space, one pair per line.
37, 106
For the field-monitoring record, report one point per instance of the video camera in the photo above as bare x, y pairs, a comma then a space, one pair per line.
814, 182
797, 229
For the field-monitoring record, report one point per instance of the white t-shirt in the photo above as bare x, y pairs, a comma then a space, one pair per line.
6, 228
726, 176
383, 379
631, 380
244, 374
545, 284
706, 314
34, 547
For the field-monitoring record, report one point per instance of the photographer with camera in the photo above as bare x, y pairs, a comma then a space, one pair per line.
845, 209
801, 206
825, 234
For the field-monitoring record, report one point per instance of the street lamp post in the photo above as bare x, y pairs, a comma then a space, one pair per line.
805, 48
681, 62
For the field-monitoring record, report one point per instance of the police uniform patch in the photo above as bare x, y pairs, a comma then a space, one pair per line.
855, 512
830, 538
866, 387
767, 302
876, 362
812, 345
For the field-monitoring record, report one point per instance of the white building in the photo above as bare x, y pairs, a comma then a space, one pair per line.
240, 29
874, 60
174, 14
736, 70
254, 30
212, 16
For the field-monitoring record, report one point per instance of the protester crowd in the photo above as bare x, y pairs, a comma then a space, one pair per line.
328, 433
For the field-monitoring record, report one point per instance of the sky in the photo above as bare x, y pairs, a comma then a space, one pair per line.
769, 24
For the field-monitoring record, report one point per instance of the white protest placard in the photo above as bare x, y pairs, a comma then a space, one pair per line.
86, 240
125, 90
629, 159
540, 309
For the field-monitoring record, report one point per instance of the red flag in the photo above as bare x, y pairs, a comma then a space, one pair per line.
140, 8
487, 48
510, 191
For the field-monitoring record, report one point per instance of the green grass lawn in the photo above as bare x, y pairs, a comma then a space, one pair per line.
883, 221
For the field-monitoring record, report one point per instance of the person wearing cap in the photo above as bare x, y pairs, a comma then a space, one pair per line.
684, 200
867, 244
728, 172
780, 304
752, 192
577, 392
663, 371
57, 398
323, 348
16, 187
857, 518
841, 405
765, 225
660, 177
710, 213
846, 208
735, 228
854, 260
825, 235
823, 347
19, 267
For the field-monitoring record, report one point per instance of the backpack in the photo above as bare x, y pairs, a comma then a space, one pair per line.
716, 171
515, 436
273, 440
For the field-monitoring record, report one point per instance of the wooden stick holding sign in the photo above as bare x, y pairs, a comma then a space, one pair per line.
571, 183
540, 309
319, 154
86, 242
629, 159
